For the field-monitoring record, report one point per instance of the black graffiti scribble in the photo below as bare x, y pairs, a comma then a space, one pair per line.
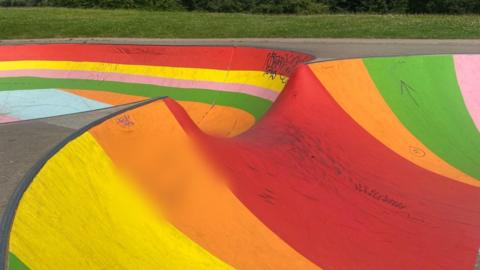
417, 151
125, 121
281, 66
142, 51
268, 196
407, 89
375, 194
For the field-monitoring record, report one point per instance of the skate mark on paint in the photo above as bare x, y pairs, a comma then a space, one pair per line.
416, 151
408, 90
268, 196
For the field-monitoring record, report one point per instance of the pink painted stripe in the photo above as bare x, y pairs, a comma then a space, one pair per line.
468, 76
7, 119
129, 78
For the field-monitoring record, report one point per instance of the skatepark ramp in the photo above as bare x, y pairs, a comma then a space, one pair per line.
245, 158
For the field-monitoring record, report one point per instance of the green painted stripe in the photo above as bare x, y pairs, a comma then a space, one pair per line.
254, 105
14, 263
424, 94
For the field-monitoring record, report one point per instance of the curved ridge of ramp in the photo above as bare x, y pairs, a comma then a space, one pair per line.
357, 164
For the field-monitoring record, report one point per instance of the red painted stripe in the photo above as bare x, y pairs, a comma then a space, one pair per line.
230, 58
340, 197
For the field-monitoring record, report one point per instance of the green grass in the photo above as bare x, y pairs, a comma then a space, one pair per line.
16, 23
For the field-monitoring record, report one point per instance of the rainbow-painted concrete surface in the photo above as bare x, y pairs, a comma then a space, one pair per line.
253, 160
245, 78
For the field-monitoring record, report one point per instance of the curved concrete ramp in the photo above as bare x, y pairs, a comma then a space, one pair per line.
357, 164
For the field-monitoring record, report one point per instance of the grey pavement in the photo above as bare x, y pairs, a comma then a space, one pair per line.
320, 47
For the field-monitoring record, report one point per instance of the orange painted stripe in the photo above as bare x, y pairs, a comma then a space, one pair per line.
351, 86
149, 144
218, 120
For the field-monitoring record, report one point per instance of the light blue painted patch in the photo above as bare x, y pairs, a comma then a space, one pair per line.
31, 104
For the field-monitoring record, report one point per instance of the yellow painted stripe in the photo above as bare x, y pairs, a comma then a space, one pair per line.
255, 78
79, 213
352, 88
